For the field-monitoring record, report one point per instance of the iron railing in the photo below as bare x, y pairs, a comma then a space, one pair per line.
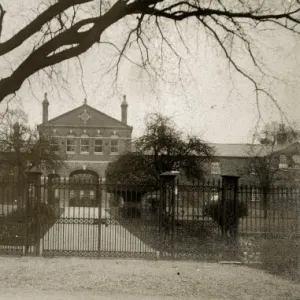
205, 220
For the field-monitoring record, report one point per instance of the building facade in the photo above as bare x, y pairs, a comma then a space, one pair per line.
236, 160
87, 138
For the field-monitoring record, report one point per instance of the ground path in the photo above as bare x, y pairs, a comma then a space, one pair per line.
75, 231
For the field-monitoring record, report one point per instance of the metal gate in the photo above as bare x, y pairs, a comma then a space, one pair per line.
83, 216
93, 221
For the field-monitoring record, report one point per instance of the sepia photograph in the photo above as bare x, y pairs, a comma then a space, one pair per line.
150, 149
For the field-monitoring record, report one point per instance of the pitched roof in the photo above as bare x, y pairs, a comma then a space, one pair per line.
71, 117
232, 150
244, 150
237, 150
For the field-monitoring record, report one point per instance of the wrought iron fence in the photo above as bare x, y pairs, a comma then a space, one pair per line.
205, 220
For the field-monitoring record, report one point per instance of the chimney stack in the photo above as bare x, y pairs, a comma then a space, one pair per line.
124, 107
45, 109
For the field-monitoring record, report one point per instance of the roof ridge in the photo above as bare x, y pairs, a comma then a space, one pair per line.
234, 143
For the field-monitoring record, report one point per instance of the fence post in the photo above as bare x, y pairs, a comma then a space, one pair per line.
33, 206
99, 191
230, 194
26, 200
169, 178
297, 234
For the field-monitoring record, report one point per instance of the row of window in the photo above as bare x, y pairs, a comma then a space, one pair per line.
85, 146
81, 194
283, 161
216, 166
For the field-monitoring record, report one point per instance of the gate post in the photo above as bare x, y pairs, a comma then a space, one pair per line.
99, 192
169, 181
230, 206
33, 208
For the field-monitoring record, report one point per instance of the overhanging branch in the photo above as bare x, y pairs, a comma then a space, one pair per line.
33, 27
65, 42
2, 13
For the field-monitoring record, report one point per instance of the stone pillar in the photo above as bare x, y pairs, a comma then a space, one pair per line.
32, 207
229, 210
167, 206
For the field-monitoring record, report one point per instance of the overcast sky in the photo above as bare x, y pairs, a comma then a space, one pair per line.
209, 100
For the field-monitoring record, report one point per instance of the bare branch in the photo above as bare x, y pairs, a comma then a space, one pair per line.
60, 33
2, 13
37, 24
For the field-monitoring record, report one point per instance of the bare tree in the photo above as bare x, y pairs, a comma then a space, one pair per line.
62, 31
161, 148
264, 165
169, 150
23, 148
264, 161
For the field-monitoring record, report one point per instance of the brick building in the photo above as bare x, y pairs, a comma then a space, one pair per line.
88, 138
235, 159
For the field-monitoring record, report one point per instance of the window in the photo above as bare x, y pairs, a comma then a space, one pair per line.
70, 145
92, 194
81, 194
253, 169
282, 162
98, 146
114, 146
215, 168
56, 193
55, 145
84, 145
296, 160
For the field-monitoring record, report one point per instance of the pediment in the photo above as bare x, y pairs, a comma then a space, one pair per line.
85, 115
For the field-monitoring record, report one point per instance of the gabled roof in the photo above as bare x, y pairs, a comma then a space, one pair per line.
247, 150
233, 150
94, 118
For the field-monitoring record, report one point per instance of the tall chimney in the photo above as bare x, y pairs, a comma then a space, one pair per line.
45, 109
124, 107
